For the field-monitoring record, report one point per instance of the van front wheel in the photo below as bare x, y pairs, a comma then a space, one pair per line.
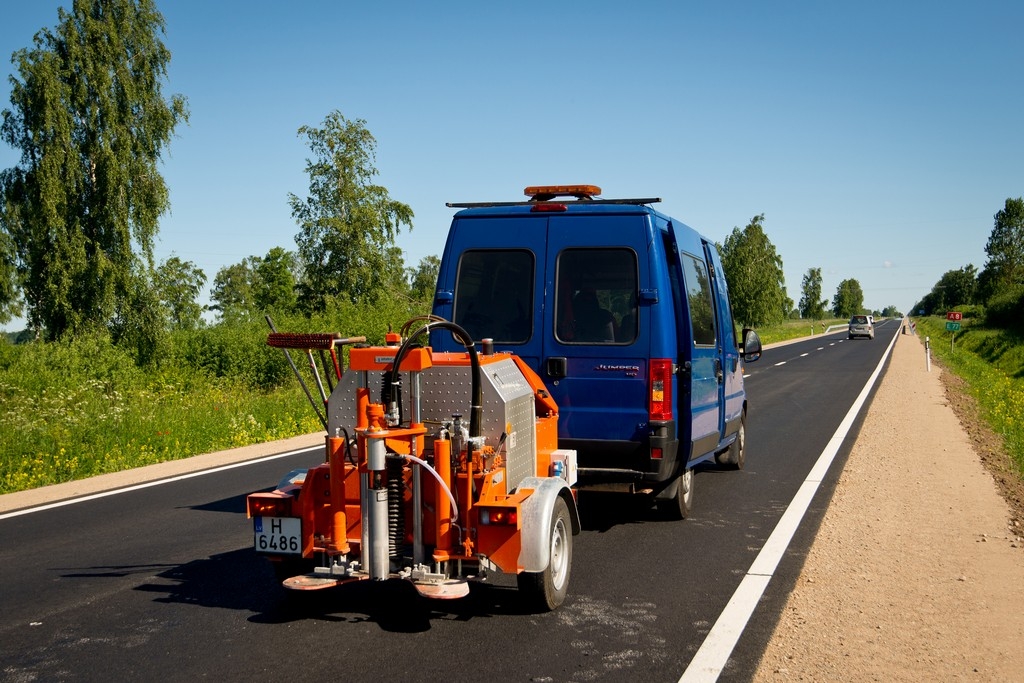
679, 505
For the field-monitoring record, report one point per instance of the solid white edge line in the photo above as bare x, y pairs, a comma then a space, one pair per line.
709, 661
148, 484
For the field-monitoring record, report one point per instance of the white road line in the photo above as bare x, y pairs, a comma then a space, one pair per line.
780, 363
714, 652
804, 355
158, 482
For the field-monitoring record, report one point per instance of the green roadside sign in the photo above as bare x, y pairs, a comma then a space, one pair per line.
952, 327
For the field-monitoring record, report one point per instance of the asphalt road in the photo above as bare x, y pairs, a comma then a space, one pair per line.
161, 583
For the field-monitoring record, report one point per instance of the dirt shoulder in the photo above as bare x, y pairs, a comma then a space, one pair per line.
917, 571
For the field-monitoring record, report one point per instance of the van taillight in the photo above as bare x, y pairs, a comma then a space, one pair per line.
661, 389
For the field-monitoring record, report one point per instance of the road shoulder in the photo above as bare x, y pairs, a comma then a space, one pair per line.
916, 572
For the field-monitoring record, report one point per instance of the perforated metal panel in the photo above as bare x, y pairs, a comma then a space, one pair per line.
446, 391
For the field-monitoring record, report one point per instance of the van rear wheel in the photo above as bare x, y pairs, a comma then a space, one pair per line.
679, 505
735, 455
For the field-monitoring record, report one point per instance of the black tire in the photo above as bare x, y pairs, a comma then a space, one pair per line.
735, 455
679, 506
544, 591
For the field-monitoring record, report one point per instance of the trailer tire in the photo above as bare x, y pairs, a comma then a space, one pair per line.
545, 590
735, 455
679, 506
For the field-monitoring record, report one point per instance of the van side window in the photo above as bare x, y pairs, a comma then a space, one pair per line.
595, 296
494, 294
698, 294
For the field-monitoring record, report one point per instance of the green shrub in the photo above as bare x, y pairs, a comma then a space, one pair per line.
81, 407
972, 311
238, 351
1006, 310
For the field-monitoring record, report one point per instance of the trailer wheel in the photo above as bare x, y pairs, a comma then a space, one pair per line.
546, 590
679, 505
735, 455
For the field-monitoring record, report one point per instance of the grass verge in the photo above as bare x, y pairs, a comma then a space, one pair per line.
88, 429
795, 329
991, 364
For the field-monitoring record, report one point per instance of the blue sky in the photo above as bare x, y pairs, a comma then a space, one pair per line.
878, 138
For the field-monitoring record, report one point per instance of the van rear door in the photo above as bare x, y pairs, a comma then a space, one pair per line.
595, 357
565, 292
492, 272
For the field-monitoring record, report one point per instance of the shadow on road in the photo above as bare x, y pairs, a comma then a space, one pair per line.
234, 504
602, 512
242, 580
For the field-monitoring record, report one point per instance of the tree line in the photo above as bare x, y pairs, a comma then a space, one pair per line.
81, 208
757, 285
997, 291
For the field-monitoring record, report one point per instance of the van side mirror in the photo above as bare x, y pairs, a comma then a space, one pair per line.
751, 345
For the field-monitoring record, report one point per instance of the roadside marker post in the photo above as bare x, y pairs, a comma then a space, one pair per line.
928, 353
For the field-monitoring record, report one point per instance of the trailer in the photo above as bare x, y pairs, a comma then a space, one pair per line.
409, 487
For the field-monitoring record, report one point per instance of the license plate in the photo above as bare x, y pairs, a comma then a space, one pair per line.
279, 535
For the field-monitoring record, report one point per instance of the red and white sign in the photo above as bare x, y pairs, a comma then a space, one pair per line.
954, 315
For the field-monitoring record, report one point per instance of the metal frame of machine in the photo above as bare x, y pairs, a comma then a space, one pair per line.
410, 489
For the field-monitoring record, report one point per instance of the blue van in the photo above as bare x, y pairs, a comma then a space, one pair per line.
624, 313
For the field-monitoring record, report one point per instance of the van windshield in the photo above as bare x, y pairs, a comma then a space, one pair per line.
494, 294
595, 296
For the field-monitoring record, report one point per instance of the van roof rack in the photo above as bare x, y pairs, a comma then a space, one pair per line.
584, 194
480, 205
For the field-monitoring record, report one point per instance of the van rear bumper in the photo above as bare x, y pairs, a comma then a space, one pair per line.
610, 465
